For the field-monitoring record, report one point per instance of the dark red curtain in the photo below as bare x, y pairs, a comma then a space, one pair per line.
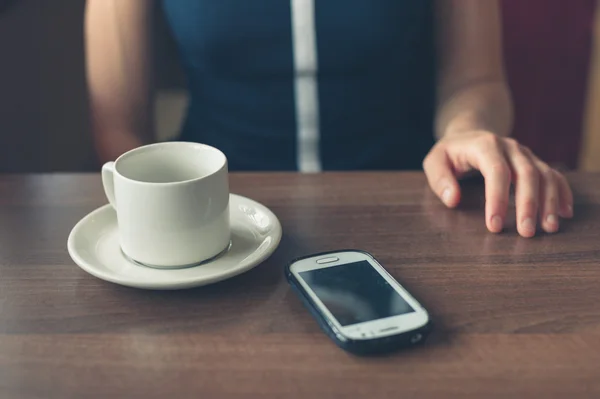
548, 50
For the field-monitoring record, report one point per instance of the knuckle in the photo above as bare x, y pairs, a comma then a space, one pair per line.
498, 171
528, 172
529, 204
511, 143
548, 175
525, 150
427, 161
501, 201
551, 202
432, 154
559, 177
490, 141
500, 168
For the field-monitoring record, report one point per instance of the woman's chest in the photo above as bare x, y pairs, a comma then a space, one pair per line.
258, 36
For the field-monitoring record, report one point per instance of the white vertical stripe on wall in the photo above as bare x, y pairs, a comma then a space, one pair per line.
306, 89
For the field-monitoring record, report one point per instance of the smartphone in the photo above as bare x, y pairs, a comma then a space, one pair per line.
357, 303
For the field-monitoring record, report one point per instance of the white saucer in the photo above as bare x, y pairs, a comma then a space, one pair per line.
94, 246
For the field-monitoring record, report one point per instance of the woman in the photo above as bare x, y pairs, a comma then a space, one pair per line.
316, 85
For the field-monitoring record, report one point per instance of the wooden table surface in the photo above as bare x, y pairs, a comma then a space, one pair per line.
514, 317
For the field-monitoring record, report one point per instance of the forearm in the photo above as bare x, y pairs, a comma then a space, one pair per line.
119, 74
486, 105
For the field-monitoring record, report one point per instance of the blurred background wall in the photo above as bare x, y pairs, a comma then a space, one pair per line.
548, 52
43, 110
552, 53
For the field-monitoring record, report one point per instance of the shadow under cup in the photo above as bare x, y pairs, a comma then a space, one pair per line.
172, 203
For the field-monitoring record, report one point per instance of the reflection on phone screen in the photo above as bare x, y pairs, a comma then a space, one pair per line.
355, 293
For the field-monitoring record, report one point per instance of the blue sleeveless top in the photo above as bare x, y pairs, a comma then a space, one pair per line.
308, 84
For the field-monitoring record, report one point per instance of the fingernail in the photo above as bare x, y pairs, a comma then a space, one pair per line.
496, 223
552, 220
570, 210
529, 225
447, 196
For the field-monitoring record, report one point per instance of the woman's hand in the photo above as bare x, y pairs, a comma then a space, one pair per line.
542, 194
475, 113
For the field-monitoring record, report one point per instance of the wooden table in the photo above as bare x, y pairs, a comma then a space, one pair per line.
514, 317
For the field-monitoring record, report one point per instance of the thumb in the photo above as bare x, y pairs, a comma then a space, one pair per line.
441, 178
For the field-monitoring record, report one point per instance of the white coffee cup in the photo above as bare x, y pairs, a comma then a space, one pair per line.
172, 203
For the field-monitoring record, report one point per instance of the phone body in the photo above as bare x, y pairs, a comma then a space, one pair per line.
357, 303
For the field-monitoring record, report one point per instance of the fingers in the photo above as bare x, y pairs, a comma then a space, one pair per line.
565, 195
542, 194
555, 195
537, 186
549, 198
440, 176
492, 164
527, 186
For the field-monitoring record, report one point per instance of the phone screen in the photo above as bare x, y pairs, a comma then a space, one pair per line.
355, 293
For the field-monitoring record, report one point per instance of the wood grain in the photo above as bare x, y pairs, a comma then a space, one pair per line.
514, 317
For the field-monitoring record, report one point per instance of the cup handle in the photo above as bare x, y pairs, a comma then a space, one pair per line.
108, 181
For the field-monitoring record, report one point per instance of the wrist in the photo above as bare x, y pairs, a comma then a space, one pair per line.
483, 108
472, 131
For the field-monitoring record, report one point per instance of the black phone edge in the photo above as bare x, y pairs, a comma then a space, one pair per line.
375, 346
